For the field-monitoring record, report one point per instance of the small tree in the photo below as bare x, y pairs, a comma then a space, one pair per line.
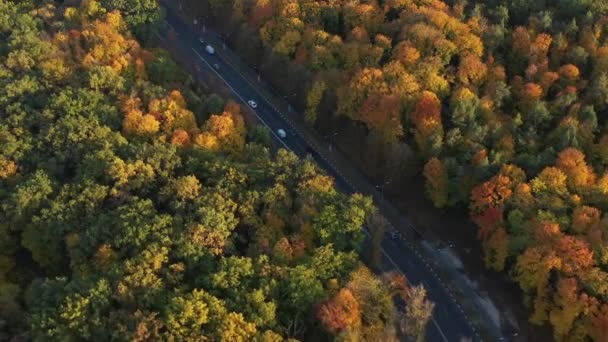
418, 312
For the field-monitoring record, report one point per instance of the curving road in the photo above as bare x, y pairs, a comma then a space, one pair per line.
449, 322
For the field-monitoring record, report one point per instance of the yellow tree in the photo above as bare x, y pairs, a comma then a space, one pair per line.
365, 82
7, 168
287, 43
234, 328
567, 306
580, 175
106, 45
532, 272
401, 83
135, 122
172, 113
224, 132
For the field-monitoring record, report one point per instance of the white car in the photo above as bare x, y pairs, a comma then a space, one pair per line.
252, 104
210, 50
281, 133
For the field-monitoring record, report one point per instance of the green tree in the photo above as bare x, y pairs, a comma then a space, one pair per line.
187, 315
163, 70
68, 310
303, 289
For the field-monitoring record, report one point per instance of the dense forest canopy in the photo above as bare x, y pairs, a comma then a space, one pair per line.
502, 103
135, 205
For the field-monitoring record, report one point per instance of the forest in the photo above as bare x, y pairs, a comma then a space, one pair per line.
501, 107
137, 205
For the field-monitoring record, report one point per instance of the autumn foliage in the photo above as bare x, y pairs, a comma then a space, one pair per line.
500, 106
426, 117
341, 312
545, 243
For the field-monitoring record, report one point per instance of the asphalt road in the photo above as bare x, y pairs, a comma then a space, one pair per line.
448, 322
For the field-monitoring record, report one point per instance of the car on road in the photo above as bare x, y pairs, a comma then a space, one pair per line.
210, 50
252, 104
281, 133
202, 41
216, 66
444, 245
